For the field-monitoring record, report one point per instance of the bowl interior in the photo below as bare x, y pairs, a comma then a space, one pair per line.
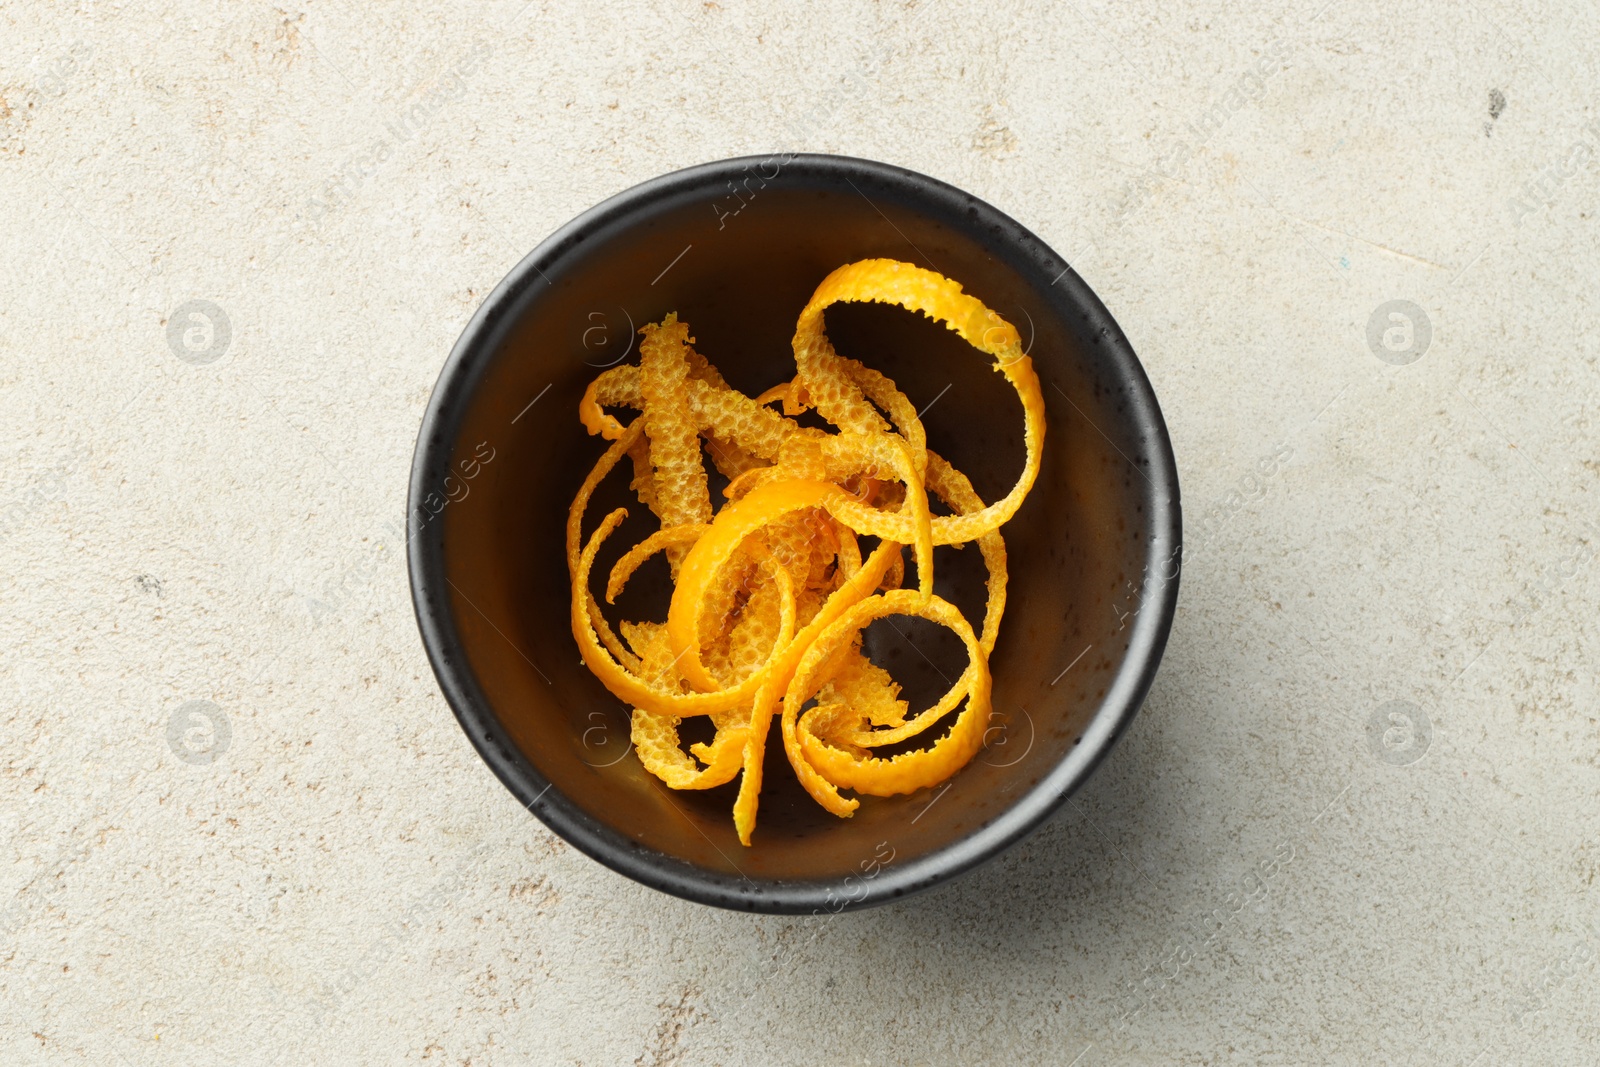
736, 253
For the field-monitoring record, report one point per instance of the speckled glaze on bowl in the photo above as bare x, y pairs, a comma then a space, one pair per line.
735, 248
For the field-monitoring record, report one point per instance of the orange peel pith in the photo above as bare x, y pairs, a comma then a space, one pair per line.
773, 590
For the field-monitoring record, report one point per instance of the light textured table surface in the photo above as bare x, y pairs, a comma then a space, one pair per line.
240, 826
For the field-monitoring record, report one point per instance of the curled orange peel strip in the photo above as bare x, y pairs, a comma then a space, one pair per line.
670, 537
618, 386
669, 422
849, 594
776, 393
631, 436
740, 647
836, 395
655, 735
951, 486
831, 767
629, 687
737, 521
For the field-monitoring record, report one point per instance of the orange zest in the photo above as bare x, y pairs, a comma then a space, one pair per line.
772, 592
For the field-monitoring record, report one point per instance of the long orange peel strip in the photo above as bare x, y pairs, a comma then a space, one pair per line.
771, 593
824, 769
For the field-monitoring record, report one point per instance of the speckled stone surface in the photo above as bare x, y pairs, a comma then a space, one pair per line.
1355, 246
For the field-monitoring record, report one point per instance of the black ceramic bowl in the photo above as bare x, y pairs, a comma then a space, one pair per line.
735, 248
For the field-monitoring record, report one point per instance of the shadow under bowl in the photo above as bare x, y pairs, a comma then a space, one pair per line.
736, 248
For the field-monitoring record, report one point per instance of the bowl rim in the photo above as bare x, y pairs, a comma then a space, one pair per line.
463, 372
